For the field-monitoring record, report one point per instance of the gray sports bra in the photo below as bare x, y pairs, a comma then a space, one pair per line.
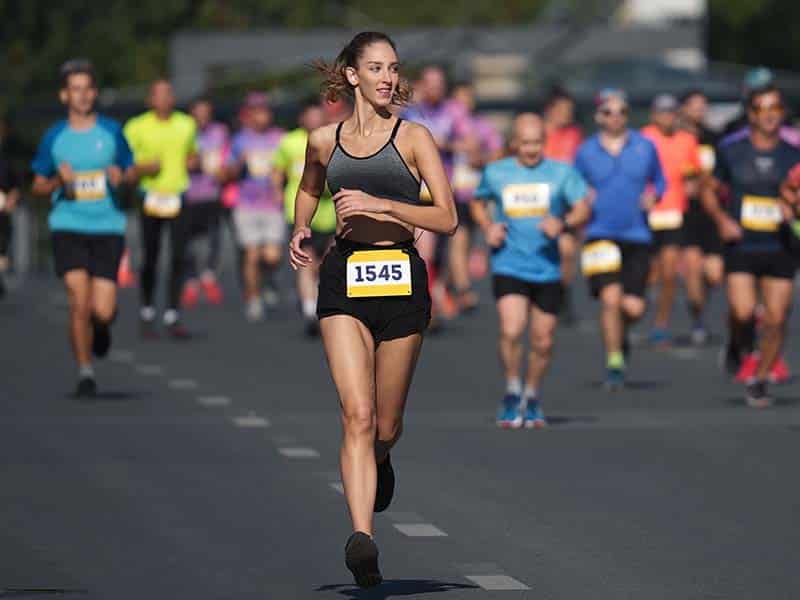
383, 174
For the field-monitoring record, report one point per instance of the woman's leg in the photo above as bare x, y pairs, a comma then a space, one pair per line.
350, 350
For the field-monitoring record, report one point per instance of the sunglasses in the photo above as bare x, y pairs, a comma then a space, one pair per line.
606, 112
768, 108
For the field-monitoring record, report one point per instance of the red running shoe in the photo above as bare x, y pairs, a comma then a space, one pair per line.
125, 276
211, 289
748, 369
779, 373
190, 294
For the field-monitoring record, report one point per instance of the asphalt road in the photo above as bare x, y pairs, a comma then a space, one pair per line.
208, 469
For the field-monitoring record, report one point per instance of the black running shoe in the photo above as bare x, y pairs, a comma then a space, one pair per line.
756, 395
87, 388
385, 489
101, 338
361, 557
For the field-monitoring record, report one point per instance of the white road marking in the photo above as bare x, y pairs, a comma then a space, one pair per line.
250, 421
150, 369
298, 452
338, 486
182, 384
685, 353
497, 582
122, 356
214, 400
419, 530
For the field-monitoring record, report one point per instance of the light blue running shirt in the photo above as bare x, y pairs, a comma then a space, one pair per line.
89, 152
521, 196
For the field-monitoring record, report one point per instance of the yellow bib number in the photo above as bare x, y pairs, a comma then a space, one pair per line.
760, 213
164, 206
708, 157
90, 185
526, 199
259, 163
661, 220
465, 178
601, 257
378, 273
212, 162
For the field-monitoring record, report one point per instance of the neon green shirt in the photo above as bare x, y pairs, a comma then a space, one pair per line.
169, 141
290, 158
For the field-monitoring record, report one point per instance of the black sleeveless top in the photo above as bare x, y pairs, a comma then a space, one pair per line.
383, 174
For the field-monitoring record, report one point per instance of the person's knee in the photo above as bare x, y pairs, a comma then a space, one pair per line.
359, 421
634, 307
104, 313
390, 430
611, 298
80, 309
511, 330
741, 312
542, 342
272, 254
774, 319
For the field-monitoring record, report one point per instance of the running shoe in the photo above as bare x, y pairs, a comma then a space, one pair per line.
254, 310
385, 489
101, 338
87, 388
211, 289
361, 557
747, 368
756, 395
699, 335
191, 294
534, 417
508, 415
615, 379
125, 276
779, 373
660, 337
271, 296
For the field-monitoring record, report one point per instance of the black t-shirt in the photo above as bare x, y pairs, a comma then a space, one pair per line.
754, 177
7, 179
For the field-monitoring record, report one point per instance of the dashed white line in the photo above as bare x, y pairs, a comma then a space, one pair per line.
122, 356
150, 369
497, 582
298, 452
419, 530
250, 421
182, 384
214, 400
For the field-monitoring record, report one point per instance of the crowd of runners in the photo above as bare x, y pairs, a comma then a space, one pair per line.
638, 212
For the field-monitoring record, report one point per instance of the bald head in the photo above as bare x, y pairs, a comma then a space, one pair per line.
528, 138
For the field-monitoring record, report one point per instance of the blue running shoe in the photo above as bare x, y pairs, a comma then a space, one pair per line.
508, 416
534, 417
615, 379
660, 337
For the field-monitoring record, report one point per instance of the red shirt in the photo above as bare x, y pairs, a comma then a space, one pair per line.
562, 144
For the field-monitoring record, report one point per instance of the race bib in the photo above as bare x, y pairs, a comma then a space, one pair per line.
90, 185
378, 273
162, 205
662, 220
526, 199
601, 257
760, 213
259, 163
212, 162
708, 157
465, 178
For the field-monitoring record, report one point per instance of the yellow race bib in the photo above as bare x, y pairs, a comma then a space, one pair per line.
708, 157
465, 178
378, 273
90, 185
663, 220
526, 199
761, 213
162, 205
259, 163
599, 257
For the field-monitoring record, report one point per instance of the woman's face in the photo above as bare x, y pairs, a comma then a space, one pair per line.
377, 74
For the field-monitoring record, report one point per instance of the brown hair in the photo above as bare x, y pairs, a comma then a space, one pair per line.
335, 84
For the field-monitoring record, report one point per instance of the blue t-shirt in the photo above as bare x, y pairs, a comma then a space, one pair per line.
619, 182
89, 152
521, 196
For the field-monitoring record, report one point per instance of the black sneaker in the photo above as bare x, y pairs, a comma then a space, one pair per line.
101, 338
756, 395
361, 557
385, 488
87, 388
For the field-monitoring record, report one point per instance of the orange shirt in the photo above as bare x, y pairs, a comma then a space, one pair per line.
562, 144
679, 156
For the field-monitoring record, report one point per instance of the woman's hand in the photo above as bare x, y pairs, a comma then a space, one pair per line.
299, 258
350, 202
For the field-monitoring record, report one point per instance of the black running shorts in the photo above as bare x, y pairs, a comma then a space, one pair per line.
98, 254
386, 317
632, 271
778, 263
547, 296
700, 231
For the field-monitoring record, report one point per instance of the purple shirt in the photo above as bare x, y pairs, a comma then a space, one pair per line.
203, 185
790, 135
440, 120
465, 176
255, 149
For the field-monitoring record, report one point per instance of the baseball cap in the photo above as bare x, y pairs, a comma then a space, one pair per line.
665, 103
606, 94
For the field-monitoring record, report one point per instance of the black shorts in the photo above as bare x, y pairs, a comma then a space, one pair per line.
201, 217
387, 318
318, 242
465, 219
777, 263
5, 233
700, 231
547, 296
98, 254
668, 237
632, 274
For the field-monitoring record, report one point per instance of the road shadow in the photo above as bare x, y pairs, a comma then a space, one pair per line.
109, 396
684, 340
631, 384
780, 401
396, 588
558, 421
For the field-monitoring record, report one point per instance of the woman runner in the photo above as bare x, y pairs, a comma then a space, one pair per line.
373, 293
